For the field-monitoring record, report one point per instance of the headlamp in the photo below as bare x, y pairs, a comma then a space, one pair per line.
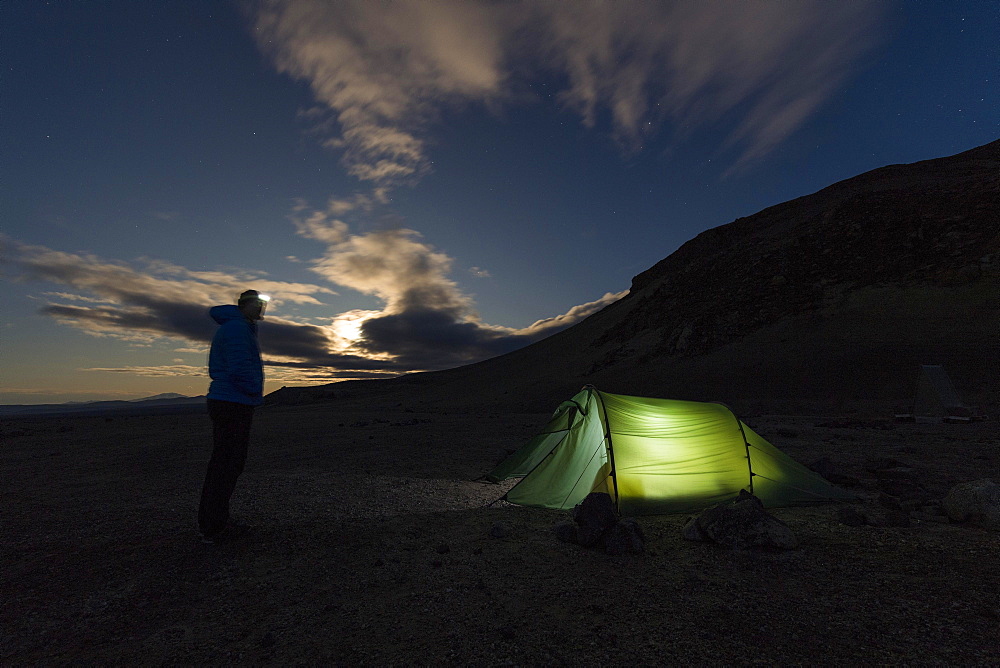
252, 296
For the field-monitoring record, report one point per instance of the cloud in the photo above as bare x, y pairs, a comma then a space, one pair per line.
427, 322
430, 338
385, 71
302, 374
165, 216
165, 301
542, 328
165, 371
772, 64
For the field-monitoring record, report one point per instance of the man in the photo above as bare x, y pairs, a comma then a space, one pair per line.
237, 388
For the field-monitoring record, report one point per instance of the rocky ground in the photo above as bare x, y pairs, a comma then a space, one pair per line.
371, 545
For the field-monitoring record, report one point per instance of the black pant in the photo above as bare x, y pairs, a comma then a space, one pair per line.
231, 432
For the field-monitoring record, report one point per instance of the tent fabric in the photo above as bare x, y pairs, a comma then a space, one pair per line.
653, 456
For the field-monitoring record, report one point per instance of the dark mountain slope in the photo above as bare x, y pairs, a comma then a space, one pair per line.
822, 301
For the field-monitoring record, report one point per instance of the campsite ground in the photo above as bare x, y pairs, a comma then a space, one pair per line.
371, 545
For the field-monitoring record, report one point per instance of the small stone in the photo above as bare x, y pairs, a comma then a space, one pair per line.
851, 517
882, 463
693, 532
904, 489
897, 473
888, 501
497, 531
889, 518
442, 548
624, 538
844, 480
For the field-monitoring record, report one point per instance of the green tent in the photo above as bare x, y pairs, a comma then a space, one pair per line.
653, 456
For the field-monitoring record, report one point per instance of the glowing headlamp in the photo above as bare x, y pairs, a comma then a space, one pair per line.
254, 297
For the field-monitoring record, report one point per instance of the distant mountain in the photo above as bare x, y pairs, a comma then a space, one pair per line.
828, 299
160, 397
160, 403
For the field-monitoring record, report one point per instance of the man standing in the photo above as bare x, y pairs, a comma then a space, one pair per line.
237, 388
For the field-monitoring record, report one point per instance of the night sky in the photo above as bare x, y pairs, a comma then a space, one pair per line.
423, 184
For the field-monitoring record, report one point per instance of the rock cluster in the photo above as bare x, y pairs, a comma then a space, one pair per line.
596, 524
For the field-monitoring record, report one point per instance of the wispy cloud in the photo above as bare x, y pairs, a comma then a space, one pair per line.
383, 69
164, 371
165, 216
386, 70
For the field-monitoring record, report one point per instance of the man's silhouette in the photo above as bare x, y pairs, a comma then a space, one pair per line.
237, 388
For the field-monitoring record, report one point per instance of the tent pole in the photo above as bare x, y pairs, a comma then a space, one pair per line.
743, 434
611, 449
746, 443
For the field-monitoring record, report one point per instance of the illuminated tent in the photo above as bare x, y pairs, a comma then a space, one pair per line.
653, 456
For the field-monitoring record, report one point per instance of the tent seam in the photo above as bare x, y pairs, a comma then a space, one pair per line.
573, 488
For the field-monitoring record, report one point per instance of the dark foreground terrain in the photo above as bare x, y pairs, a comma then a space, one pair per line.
371, 546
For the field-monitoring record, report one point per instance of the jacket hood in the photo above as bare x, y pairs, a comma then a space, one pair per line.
225, 313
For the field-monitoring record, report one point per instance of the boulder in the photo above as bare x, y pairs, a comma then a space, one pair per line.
594, 516
741, 524
975, 502
596, 524
625, 537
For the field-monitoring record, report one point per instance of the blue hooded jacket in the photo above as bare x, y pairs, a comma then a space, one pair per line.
234, 361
